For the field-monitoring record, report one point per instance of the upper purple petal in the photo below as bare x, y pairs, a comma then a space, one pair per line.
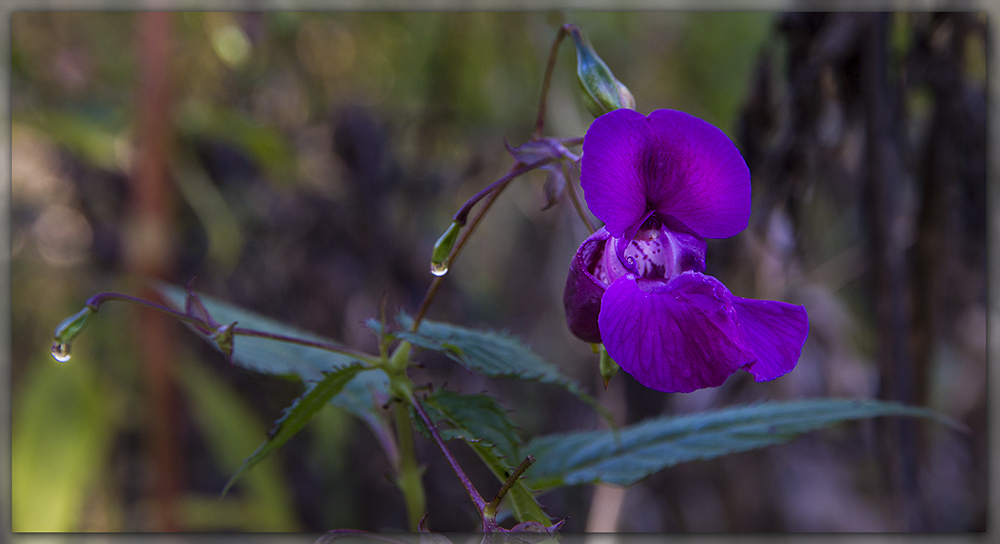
670, 162
775, 331
697, 175
612, 184
675, 336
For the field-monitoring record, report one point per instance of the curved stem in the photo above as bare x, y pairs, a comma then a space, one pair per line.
435, 285
546, 81
333, 348
95, 302
491, 192
515, 170
571, 189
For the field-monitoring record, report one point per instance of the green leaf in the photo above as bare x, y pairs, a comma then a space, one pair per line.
61, 434
231, 428
639, 450
361, 396
295, 417
490, 353
483, 424
94, 140
261, 354
473, 418
266, 145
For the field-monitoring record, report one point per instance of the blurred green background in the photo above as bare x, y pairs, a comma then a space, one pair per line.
302, 165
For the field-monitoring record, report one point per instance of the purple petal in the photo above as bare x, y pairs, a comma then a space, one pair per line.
674, 336
613, 186
582, 297
695, 174
775, 331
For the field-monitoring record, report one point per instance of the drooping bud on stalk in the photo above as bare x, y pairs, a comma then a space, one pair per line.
608, 367
442, 248
602, 92
66, 331
223, 337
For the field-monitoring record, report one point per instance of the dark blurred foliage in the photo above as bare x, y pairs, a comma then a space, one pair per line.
314, 158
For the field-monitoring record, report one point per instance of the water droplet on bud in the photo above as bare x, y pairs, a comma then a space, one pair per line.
60, 351
442, 249
439, 269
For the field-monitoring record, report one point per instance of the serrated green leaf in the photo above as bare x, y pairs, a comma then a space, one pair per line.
483, 424
231, 428
361, 396
491, 353
473, 418
295, 417
650, 446
260, 354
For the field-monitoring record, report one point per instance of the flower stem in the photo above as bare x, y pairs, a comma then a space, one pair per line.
477, 499
546, 81
435, 285
575, 140
95, 302
490, 193
515, 170
333, 348
571, 189
408, 472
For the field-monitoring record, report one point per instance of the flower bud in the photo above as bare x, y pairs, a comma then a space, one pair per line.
223, 337
67, 330
442, 248
608, 367
70, 327
602, 92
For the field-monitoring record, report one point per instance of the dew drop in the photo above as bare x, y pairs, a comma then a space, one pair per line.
439, 269
60, 351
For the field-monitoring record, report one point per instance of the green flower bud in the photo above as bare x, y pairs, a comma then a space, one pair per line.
602, 92
70, 327
66, 331
223, 337
608, 367
439, 258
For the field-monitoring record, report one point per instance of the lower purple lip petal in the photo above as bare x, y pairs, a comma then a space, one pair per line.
675, 336
775, 331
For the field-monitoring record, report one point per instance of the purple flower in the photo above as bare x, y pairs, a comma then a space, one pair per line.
662, 184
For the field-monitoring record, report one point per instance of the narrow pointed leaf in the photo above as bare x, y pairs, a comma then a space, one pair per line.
481, 422
295, 417
650, 446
